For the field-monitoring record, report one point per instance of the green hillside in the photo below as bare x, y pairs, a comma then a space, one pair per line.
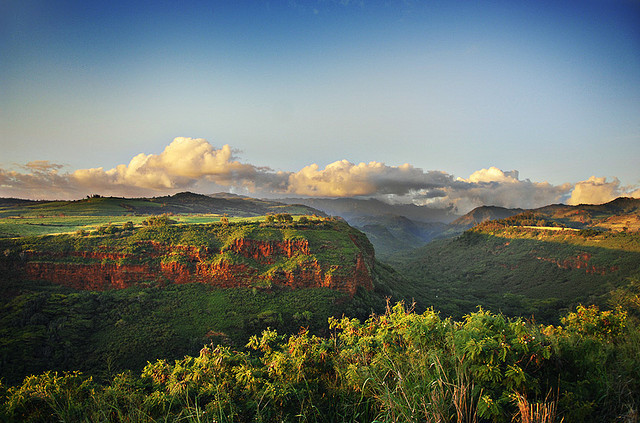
49, 327
184, 202
58, 327
20, 218
534, 263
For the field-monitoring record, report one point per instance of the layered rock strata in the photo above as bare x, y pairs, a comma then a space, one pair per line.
163, 264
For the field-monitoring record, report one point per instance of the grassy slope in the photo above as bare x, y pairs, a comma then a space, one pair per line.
182, 203
23, 218
516, 271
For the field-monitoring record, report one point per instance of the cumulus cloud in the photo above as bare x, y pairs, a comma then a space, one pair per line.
195, 164
42, 181
345, 179
180, 165
496, 187
597, 191
493, 174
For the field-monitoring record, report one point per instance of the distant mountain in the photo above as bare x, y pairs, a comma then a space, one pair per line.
184, 202
623, 212
390, 227
475, 217
350, 208
391, 233
617, 214
482, 214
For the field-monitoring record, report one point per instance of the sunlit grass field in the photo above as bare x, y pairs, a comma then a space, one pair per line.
11, 227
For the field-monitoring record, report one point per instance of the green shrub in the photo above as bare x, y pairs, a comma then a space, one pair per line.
158, 221
398, 366
50, 397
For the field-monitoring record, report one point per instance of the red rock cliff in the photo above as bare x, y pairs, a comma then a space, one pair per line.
200, 265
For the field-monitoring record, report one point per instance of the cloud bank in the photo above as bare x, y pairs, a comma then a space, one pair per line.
182, 163
597, 191
195, 164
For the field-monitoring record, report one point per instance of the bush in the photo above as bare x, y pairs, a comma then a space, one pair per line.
158, 221
49, 397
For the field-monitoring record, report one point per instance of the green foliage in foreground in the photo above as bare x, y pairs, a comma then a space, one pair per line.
49, 327
400, 366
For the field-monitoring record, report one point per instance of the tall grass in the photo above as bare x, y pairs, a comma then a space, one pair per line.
539, 412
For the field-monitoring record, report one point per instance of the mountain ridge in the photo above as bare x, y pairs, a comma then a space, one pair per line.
544, 260
183, 202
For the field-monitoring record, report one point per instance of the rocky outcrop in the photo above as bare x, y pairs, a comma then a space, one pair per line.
243, 263
266, 251
581, 261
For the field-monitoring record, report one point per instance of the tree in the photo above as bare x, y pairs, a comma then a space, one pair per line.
162, 220
284, 218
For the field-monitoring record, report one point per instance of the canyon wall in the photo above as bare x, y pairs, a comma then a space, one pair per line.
243, 263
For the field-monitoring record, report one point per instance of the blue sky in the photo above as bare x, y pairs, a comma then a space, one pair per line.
551, 89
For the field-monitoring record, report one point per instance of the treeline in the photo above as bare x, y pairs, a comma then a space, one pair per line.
48, 327
399, 366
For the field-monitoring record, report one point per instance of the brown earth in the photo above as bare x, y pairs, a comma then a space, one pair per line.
581, 261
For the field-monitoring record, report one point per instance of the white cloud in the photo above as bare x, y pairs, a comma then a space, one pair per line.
345, 179
194, 164
43, 181
597, 191
180, 165
493, 174
495, 187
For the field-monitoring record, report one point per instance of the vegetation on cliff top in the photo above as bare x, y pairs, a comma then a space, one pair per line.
333, 244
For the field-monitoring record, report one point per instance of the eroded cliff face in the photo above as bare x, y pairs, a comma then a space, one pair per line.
581, 261
244, 263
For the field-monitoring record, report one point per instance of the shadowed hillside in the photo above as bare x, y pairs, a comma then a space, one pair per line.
391, 233
349, 208
533, 263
